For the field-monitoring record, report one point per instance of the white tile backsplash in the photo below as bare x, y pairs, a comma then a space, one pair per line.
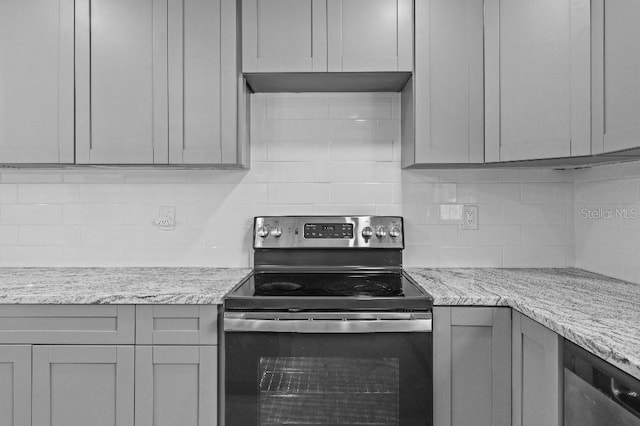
489, 193
8, 194
8, 235
30, 214
547, 257
452, 257
607, 220
312, 154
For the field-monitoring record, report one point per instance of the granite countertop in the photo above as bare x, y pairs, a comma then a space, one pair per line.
117, 285
598, 313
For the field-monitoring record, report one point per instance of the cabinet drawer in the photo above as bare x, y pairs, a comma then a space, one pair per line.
67, 324
177, 325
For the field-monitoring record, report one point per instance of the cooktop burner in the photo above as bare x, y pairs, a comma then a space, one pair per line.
280, 287
365, 287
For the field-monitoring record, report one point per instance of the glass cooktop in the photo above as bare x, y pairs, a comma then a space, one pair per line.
327, 291
327, 284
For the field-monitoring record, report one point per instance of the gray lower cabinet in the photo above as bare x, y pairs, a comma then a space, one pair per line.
176, 385
472, 366
176, 365
108, 365
83, 385
176, 325
537, 384
15, 385
67, 324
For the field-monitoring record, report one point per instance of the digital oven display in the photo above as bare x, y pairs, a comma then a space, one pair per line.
328, 230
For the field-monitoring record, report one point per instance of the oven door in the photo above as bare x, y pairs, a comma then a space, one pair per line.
328, 369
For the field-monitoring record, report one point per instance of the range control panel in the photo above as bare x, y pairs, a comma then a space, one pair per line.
328, 232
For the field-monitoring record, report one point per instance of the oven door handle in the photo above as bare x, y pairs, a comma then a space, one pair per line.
328, 323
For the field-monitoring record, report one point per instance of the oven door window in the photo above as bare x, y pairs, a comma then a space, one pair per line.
312, 390
327, 379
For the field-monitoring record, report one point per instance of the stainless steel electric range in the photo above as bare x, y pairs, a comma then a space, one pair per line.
328, 329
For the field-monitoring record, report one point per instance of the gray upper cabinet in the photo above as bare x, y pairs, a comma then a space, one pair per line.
121, 103
472, 366
370, 35
284, 35
152, 77
538, 82
442, 106
537, 396
36, 81
206, 95
616, 67
327, 35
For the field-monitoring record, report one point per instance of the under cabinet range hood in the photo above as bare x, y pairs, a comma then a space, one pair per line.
327, 82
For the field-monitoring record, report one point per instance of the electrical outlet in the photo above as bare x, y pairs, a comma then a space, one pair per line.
166, 219
470, 217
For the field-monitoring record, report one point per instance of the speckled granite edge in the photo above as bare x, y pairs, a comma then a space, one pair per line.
598, 313
191, 286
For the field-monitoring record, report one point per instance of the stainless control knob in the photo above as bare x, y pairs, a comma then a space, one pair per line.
276, 232
263, 231
367, 232
394, 231
381, 232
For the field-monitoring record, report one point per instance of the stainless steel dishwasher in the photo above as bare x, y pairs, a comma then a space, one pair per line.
597, 393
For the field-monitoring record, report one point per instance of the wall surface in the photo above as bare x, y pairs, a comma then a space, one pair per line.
607, 220
312, 154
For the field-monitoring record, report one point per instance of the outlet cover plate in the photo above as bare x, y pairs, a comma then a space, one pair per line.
470, 217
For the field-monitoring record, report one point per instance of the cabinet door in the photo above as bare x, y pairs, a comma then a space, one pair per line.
121, 82
83, 385
537, 73
472, 366
616, 66
447, 91
284, 35
370, 35
176, 385
36, 81
15, 385
536, 374
203, 74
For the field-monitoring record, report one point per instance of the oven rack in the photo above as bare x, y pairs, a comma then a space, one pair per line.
305, 375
